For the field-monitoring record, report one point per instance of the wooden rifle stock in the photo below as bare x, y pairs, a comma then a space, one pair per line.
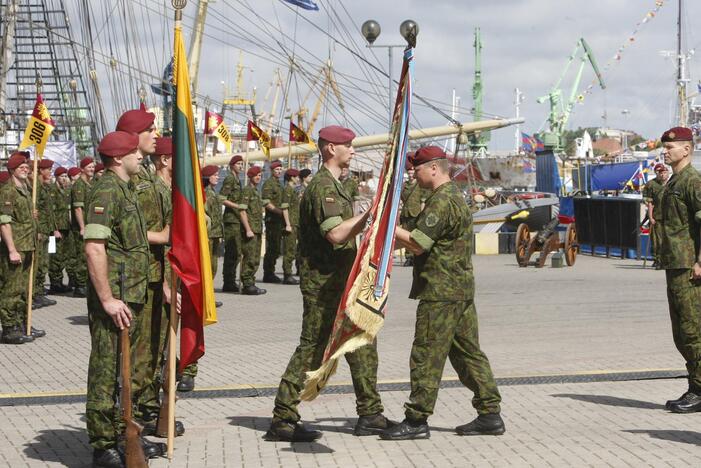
135, 457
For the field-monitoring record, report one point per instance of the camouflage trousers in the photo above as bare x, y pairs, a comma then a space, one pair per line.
60, 260
289, 250
317, 322
103, 421
684, 298
273, 240
13, 300
214, 254
232, 252
148, 345
80, 266
250, 248
655, 239
41, 265
448, 329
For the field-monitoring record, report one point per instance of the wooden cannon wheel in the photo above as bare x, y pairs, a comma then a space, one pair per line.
523, 238
571, 244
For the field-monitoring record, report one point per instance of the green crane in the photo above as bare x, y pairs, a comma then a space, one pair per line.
560, 111
479, 140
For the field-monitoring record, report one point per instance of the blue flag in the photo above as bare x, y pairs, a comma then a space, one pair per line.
306, 4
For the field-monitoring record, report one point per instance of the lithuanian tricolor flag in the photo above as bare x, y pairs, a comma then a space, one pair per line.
189, 253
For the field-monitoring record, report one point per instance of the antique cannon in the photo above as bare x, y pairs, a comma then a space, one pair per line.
547, 240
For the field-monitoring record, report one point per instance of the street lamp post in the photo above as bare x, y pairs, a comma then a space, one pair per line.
371, 31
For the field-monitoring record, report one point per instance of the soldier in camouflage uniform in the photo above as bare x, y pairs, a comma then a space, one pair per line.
413, 198
251, 213
18, 228
679, 256
327, 251
446, 319
115, 237
79, 192
350, 183
274, 223
61, 206
75, 243
213, 209
290, 212
231, 193
651, 194
46, 228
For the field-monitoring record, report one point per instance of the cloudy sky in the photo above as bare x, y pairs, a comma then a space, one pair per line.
526, 44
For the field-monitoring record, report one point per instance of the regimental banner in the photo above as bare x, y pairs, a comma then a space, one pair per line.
214, 125
361, 313
39, 128
297, 135
255, 133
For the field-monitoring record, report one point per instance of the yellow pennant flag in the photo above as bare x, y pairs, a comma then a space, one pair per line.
214, 125
39, 128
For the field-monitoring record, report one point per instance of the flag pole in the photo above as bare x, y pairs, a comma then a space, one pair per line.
289, 154
204, 137
172, 337
30, 287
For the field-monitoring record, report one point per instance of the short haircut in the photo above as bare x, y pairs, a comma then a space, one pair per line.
443, 165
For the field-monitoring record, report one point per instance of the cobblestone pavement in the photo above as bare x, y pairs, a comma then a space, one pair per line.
600, 316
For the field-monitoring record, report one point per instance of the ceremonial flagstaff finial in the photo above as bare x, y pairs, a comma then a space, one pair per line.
179, 5
409, 30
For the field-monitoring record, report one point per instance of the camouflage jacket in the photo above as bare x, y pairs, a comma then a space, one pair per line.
652, 192
113, 215
164, 190
231, 190
144, 186
350, 185
444, 231
681, 220
47, 222
16, 210
61, 206
272, 193
252, 204
79, 194
325, 205
213, 209
412, 197
290, 201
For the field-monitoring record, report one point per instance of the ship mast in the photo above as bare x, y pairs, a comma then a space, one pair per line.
681, 79
196, 43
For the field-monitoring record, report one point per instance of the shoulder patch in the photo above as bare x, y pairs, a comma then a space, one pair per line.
329, 200
99, 209
431, 220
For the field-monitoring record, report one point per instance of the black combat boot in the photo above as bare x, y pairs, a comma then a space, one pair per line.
150, 425
271, 278
691, 403
289, 279
484, 424
252, 290
373, 424
284, 431
231, 288
407, 430
38, 333
107, 458
186, 384
15, 335
669, 403
79, 291
59, 288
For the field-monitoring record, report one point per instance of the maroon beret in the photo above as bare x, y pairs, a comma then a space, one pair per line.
135, 121
291, 173
16, 160
426, 154
660, 167
210, 170
164, 146
336, 134
253, 171
677, 134
22, 153
86, 161
4, 177
60, 171
99, 167
275, 164
73, 171
235, 159
117, 144
45, 163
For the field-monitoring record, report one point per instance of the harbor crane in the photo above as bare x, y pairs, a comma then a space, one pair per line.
560, 110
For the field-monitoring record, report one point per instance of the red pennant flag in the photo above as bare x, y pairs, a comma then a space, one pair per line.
255, 133
298, 135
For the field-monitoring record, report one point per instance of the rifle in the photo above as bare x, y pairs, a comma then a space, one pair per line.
135, 457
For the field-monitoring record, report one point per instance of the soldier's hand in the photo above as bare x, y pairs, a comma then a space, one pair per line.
57, 235
288, 228
652, 221
82, 232
250, 234
119, 312
15, 257
696, 271
35, 214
